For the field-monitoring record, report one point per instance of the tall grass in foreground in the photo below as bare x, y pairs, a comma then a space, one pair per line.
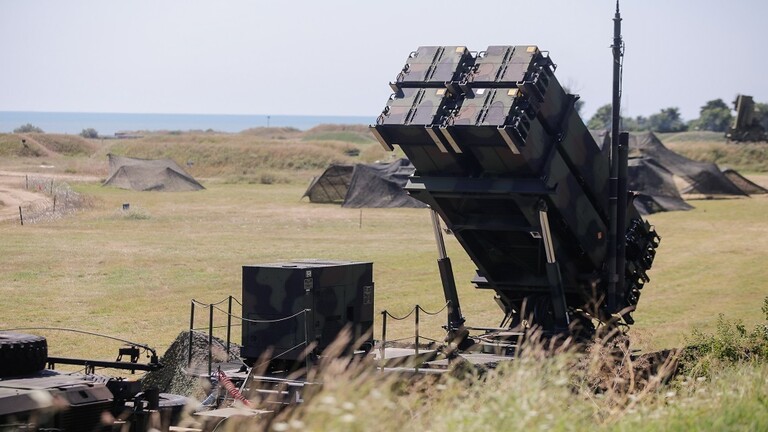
600, 388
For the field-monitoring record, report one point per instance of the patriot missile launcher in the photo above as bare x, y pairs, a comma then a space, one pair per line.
502, 156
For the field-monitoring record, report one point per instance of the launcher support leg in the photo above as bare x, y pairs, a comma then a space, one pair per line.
455, 319
553, 273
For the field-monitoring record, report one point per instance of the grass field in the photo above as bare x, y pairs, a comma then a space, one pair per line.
133, 274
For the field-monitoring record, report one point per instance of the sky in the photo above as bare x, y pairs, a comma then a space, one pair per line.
336, 57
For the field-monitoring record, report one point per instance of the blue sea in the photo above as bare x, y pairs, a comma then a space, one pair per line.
108, 123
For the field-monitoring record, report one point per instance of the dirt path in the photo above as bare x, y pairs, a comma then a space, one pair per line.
13, 193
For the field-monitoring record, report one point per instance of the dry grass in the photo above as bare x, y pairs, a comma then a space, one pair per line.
133, 274
107, 270
259, 155
542, 389
712, 147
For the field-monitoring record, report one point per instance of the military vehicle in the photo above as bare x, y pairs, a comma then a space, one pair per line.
503, 158
745, 127
35, 396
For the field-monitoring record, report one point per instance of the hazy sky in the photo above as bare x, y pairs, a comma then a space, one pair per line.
336, 57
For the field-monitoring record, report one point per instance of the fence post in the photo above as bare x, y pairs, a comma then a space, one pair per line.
51, 186
210, 340
21, 216
26, 181
417, 329
54, 203
383, 346
191, 329
229, 324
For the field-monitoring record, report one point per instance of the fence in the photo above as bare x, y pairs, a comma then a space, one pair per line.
212, 307
416, 312
61, 202
217, 307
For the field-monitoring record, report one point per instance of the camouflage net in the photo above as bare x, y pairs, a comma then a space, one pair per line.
178, 377
63, 200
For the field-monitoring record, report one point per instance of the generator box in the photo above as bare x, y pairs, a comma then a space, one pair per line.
290, 305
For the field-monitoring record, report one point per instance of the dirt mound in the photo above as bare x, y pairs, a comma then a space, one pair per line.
179, 375
21, 145
67, 145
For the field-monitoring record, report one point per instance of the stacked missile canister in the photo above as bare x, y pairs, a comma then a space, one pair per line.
504, 158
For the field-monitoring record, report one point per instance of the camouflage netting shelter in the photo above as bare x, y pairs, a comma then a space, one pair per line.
364, 185
655, 186
381, 185
180, 376
701, 177
149, 175
743, 183
331, 186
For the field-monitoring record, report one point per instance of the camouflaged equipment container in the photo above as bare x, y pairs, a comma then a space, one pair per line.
504, 158
334, 293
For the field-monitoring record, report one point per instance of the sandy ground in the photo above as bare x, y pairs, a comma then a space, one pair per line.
13, 194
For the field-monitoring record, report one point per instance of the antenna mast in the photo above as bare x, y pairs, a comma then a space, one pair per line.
618, 183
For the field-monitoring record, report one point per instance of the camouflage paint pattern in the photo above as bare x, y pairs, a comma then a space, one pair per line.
509, 138
433, 64
335, 293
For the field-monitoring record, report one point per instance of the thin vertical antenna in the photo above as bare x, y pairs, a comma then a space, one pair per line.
616, 228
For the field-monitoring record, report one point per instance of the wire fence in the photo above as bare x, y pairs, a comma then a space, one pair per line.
59, 202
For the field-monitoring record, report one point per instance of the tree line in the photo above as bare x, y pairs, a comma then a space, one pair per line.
715, 115
30, 128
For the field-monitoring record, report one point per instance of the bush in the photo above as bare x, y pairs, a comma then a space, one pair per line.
89, 133
28, 128
732, 342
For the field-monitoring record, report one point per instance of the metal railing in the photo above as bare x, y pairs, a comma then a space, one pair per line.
228, 312
417, 335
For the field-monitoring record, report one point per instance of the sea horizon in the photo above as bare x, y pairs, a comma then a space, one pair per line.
107, 124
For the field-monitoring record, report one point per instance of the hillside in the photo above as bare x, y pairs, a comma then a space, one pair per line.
283, 154
259, 155
712, 147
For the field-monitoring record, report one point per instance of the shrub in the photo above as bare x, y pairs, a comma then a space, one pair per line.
28, 128
732, 342
89, 133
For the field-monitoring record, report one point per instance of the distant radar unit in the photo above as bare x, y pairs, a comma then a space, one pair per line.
746, 126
